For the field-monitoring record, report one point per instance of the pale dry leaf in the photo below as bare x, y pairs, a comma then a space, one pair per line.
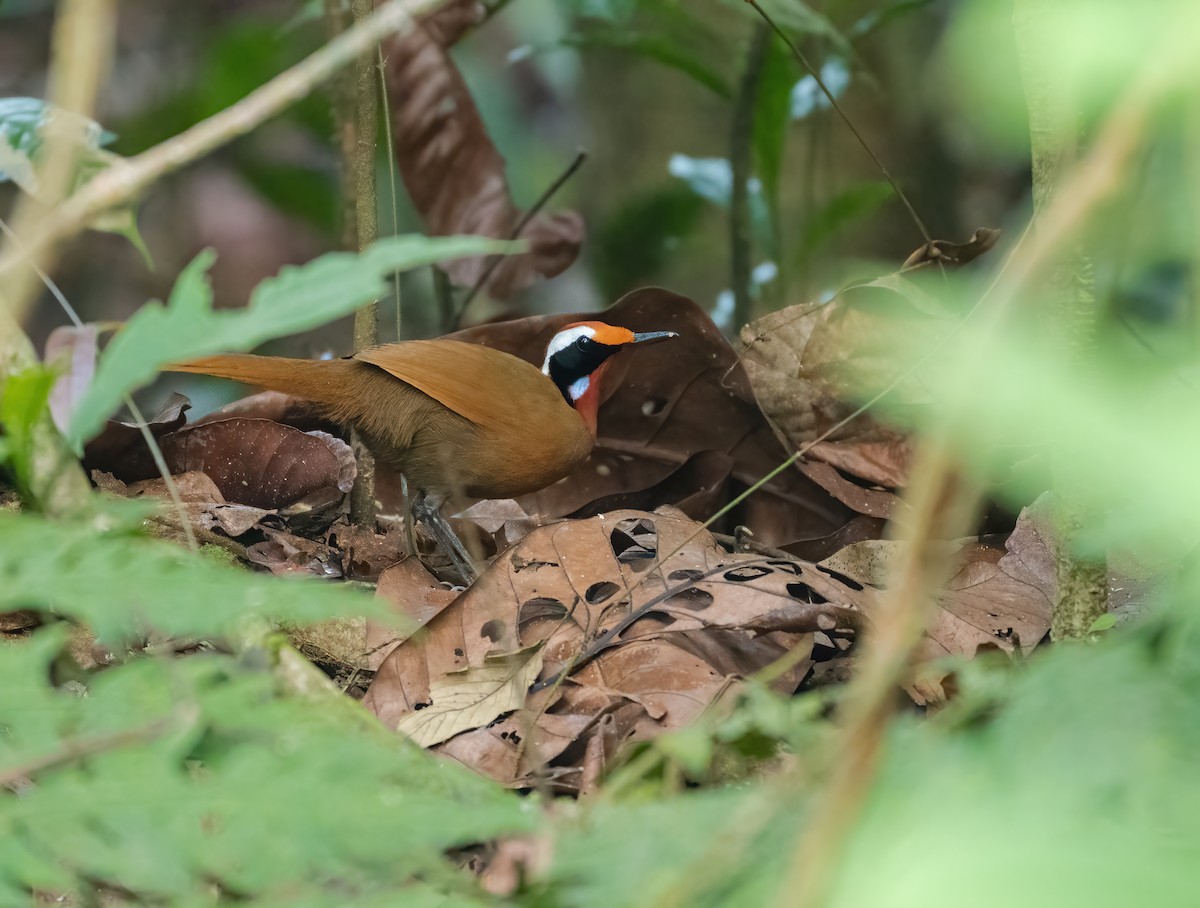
74, 350
467, 699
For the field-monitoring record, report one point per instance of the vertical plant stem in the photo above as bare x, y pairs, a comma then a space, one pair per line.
356, 107
80, 55
1054, 130
366, 320
943, 506
741, 245
390, 157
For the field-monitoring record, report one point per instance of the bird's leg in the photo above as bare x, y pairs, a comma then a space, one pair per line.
430, 514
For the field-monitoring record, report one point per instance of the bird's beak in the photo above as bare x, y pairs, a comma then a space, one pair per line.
650, 337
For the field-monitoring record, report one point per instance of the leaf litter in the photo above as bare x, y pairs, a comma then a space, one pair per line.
609, 616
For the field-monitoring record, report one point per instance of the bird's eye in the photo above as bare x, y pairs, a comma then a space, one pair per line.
582, 343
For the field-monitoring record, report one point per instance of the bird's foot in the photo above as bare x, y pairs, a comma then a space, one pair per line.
431, 515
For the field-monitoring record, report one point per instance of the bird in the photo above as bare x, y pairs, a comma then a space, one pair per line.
455, 419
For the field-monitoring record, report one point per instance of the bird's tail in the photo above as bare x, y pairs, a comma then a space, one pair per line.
320, 381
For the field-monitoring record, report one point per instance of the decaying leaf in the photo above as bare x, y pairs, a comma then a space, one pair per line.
366, 555
643, 648
944, 252
997, 599
285, 553
415, 597
74, 351
453, 172
473, 696
254, 462
811, 365
121, 442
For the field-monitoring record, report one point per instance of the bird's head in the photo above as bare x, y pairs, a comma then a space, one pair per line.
577, 356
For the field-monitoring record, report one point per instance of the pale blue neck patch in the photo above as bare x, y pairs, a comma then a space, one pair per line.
579, 387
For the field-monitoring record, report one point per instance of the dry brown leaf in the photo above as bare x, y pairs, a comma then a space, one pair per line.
415, 597
453, 172
946, 253
504, 519
256, 462
365, 553
811, 365
997, 600
646, 650
121, 443
473, 696
272, 405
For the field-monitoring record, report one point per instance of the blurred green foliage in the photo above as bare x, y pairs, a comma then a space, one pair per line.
1068, 779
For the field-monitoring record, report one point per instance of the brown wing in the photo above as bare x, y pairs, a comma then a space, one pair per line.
476, 382
527, 436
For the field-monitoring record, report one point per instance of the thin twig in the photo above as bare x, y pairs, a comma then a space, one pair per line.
495, 260
833, 102
125, 180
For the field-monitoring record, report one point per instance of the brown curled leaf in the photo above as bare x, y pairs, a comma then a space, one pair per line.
946, 253
452, 171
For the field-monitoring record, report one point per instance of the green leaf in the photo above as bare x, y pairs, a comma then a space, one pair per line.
23, 405
172, 777
844, 209
120, 583
665, 49
24, 124
877, 18
617, 11
771, 115
635, 243
298, 299
1104, 622
798, 19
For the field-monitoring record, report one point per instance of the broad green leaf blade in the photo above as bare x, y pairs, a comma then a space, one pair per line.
170, 775
844, 209
664, 49
298, 299
23, 404
797, 18
772, 112
473, 697
120, 584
